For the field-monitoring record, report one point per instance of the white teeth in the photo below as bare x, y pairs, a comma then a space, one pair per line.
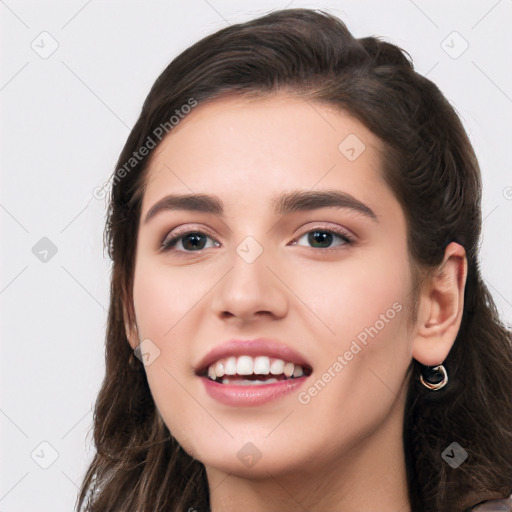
211, 372
261, 365
230, 366
244, 365
288, 369
219, 369
277, 367
298, 371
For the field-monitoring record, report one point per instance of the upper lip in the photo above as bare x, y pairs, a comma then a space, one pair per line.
256, 347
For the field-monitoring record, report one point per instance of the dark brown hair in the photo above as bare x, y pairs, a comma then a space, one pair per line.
430, 166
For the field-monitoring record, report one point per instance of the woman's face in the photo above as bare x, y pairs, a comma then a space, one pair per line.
294, 259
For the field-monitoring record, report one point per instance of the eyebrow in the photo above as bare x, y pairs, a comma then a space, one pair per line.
284, 204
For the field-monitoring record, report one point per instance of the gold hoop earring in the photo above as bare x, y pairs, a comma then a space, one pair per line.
434, 377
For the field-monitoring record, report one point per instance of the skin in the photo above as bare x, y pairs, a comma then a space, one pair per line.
343, 449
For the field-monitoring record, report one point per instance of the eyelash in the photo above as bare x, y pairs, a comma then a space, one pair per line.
167, 245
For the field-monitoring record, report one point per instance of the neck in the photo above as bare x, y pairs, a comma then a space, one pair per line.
369, 476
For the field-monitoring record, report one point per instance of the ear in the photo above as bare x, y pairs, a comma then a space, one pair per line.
132, 333
440, 308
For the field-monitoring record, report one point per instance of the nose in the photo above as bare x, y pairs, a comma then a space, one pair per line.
250, 291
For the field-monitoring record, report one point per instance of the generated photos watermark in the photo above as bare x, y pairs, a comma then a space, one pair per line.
358, 343
150, 143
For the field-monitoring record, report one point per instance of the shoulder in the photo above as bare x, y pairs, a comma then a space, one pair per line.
494, 506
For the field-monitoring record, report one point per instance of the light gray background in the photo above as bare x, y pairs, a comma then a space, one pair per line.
64, 119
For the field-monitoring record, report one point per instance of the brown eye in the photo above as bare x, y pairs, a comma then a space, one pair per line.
324, 239
189, 242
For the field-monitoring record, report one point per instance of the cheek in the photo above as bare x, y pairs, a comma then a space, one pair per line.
164, 297
167, 304
352, 295
364, 363
162, 306
361, 320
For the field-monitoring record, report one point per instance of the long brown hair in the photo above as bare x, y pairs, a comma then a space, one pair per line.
430, 166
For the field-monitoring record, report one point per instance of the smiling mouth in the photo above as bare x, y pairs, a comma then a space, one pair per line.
246, 370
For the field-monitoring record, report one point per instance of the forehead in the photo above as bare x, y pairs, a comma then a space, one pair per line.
228, 145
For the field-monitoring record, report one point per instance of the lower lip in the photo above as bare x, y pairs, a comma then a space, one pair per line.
231, 394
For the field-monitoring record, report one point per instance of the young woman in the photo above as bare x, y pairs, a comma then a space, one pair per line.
297, 316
